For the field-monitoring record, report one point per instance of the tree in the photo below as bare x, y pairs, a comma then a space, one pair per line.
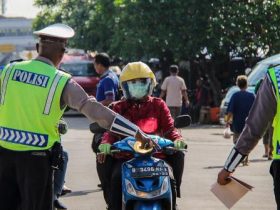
171, 29
141, 28
92, 20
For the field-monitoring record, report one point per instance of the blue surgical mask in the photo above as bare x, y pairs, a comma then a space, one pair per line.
138, 89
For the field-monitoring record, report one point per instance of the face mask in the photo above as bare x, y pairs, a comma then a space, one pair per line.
138, 89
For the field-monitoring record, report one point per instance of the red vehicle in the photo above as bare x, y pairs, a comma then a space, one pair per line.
82, 70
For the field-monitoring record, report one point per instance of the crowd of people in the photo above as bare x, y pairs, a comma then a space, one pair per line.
137, 102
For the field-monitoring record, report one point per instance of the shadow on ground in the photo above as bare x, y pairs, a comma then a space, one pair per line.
205, 126
250, 161
82, 192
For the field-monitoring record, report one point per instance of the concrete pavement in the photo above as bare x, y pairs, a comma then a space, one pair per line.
205, 157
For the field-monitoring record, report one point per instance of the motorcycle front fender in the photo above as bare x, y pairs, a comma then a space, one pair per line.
142, 205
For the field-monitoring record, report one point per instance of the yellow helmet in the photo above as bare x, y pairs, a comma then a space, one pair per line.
136, 70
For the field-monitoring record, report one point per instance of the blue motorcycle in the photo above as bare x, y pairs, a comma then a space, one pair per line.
146, 183
145, 179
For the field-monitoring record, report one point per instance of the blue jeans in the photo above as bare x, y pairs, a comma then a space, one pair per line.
59, 176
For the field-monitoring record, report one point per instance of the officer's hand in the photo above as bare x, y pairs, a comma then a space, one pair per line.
145, 140
62, 127
224, 177
180, 144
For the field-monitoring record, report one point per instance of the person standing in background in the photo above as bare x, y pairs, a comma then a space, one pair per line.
174, 88
154, 64
202, 101
238, 109
107, 92
108, 86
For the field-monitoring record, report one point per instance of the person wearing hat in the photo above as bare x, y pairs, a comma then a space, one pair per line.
152, 115
34, 95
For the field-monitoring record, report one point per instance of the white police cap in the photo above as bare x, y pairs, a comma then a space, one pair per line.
57, 30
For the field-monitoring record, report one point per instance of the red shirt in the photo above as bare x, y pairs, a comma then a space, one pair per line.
151, 115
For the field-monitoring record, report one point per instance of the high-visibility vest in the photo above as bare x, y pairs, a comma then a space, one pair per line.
30, 107
274, 74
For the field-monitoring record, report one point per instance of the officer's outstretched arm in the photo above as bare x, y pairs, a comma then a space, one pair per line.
75, 97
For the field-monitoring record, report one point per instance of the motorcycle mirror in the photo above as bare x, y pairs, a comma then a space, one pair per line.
182, 121
95, 128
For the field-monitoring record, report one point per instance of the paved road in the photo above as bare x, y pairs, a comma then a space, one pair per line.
206, 155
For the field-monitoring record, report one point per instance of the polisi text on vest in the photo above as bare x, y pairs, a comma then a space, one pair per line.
30, 78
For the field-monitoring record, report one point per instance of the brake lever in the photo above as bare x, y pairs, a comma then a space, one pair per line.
115, 151
175, 149
112, 152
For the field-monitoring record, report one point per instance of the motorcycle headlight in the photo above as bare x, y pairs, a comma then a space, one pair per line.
164, 188
165, 185
129, 187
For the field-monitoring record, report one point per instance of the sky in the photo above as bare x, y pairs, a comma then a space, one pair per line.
20, 8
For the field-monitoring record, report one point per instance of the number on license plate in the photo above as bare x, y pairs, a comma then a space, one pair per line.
149, 171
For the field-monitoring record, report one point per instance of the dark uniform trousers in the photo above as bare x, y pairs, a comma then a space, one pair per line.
275, 173
25, 180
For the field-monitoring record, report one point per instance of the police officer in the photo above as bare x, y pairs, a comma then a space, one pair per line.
34, 95
265, 110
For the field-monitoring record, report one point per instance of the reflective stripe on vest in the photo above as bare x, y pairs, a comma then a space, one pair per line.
5, 82
274, 74
51, 93
23, 137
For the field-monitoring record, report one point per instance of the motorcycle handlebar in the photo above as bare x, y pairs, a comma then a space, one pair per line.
175, 149
113, 151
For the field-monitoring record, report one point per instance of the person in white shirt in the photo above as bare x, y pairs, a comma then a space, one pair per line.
174, 88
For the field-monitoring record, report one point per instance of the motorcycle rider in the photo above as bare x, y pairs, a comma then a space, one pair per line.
152, 115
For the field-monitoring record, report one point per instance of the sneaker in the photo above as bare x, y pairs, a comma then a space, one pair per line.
58, 205
65, 190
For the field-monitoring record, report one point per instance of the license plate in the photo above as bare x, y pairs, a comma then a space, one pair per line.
149, 171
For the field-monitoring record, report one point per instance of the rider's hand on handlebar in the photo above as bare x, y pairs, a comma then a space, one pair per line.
180, 144
105, 149
145, 140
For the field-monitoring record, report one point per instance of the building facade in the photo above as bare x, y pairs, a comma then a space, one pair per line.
16, 34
